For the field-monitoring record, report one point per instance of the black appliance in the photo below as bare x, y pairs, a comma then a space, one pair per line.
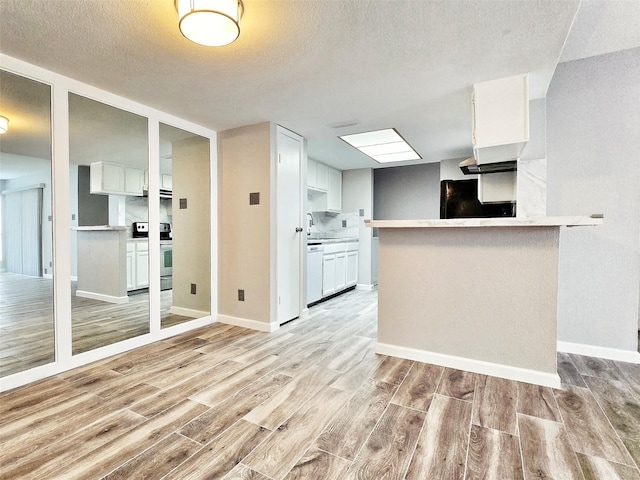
459, 199
141, 230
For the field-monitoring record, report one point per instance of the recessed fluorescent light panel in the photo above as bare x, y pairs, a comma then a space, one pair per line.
382, 145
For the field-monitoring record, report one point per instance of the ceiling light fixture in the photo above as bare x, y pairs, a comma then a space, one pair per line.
212, 23
4, 124
383, 146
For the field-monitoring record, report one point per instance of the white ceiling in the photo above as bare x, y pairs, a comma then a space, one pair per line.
312, 65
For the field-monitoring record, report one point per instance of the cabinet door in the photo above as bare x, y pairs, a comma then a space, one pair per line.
142, 266
167, 182
107, 178
500, 118
322, 176
334, 192
131, 267
328, 275
352, 268
312, 173
133, 181
341, 271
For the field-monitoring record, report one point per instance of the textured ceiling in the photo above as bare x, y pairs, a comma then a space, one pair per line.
309, 65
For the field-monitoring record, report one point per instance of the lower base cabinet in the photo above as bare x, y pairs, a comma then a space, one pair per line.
137, 265
339, 267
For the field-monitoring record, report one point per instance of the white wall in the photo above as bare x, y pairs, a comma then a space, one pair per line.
407, 193
593, 129
357, 194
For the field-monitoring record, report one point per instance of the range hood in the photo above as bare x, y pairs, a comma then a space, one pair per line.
164, 193
471, 167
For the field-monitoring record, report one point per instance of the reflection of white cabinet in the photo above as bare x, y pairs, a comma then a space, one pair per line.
137, 265
113, 179
334, 190
500, 118
166, 182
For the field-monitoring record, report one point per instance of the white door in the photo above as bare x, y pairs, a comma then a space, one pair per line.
289, 225
22, 227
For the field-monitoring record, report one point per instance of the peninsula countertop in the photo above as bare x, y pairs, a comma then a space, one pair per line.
568, 221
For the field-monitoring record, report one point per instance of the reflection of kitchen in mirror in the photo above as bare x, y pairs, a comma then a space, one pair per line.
184, 230
108, 162
27, 335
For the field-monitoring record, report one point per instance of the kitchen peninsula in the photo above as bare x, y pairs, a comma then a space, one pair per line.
477, 294
102, 268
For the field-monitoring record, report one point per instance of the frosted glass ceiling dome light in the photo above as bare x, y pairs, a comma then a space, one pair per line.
212, 23
4, 124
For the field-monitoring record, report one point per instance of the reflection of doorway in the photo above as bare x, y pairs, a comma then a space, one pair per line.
22, 230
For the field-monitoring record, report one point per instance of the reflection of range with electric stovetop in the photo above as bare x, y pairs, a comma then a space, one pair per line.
141, 230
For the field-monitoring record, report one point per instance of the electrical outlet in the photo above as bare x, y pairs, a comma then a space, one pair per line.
344, 224
183, 204
193, 289
73, 216
51, 264
254, 198
362, 212
50, 217
241, 295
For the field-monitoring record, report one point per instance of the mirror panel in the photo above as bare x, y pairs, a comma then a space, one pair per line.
185, 210
27, 331
108, 156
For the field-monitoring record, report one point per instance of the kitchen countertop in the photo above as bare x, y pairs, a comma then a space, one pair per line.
99, 228
324, 241
569, 221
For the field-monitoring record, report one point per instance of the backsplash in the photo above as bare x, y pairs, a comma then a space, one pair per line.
332, 225
137, 210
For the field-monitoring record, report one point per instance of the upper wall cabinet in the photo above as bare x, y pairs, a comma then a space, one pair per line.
500, 118
317, 175
324, 187
113, 179
334, 190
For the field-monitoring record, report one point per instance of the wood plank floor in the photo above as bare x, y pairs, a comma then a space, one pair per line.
27, 329
313, 401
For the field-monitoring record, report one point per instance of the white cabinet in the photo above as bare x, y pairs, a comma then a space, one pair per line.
322, 176
339, 267
500, 118
137, 264
328, 274
166, 181
113, 179
334, 190
352, 268
341, 270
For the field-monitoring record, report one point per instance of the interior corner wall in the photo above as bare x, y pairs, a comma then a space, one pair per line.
244, 162
593, 139
192, 231
357, 195
407, 193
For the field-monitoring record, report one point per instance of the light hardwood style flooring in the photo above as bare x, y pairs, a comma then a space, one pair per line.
27, 329
313, 401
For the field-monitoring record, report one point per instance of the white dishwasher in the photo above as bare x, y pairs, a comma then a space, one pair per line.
314, 273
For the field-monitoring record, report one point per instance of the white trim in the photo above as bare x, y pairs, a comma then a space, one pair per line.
101, 297
248, 323
477, 366
600, 352
188, 312
369, 287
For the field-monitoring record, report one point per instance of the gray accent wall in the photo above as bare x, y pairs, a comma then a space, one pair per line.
593, 143
407, 193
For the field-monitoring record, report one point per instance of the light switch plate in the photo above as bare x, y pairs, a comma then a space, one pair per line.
183, 203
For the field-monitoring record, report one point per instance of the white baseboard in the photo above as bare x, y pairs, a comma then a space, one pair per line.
48, 276
101, 297
600, 352
187, 312
477, 366
367, 287
248, 323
